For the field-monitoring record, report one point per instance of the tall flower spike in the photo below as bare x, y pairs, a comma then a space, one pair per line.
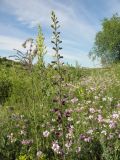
56, 37
41, 48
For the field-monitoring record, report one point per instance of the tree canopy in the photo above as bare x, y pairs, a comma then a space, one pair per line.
107, 41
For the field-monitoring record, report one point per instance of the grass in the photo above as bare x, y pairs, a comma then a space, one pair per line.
90, 113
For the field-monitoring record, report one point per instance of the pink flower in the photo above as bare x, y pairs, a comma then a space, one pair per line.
92, 110
87, 139
56, 147
100, 118
46, 133
110, 136
112, 124
74, 100
26, 142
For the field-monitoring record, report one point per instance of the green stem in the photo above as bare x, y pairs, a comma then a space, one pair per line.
34, 113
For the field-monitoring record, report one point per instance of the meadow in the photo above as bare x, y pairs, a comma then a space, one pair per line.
58, 111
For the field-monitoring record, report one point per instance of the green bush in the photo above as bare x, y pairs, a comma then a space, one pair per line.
5, 89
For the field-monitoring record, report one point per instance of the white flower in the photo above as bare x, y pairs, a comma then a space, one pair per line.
78, 149
39, 154
115, 116
22, 132
68, 145
104, 132
90, 131
53, 120
110, 99
88, 102
70, 119
101, 107
92, 110
104, 99
74, 100
90, 117
69, 135
96, 97
78, 122
56, 147
46, 133
87, 139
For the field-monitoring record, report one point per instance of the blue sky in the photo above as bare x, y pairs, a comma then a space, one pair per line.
80, 21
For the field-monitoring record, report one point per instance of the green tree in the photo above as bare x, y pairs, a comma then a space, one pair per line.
107, 41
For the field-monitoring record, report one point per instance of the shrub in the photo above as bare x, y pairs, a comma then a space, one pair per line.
5, 89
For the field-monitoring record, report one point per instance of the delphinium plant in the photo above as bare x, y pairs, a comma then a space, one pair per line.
61, 128
57, 81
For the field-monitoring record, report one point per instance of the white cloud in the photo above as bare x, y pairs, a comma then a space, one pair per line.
33, 12
10, 43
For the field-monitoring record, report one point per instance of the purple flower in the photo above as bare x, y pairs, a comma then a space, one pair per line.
82, 137
112, 124
27, 142
46, 133
100, 118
